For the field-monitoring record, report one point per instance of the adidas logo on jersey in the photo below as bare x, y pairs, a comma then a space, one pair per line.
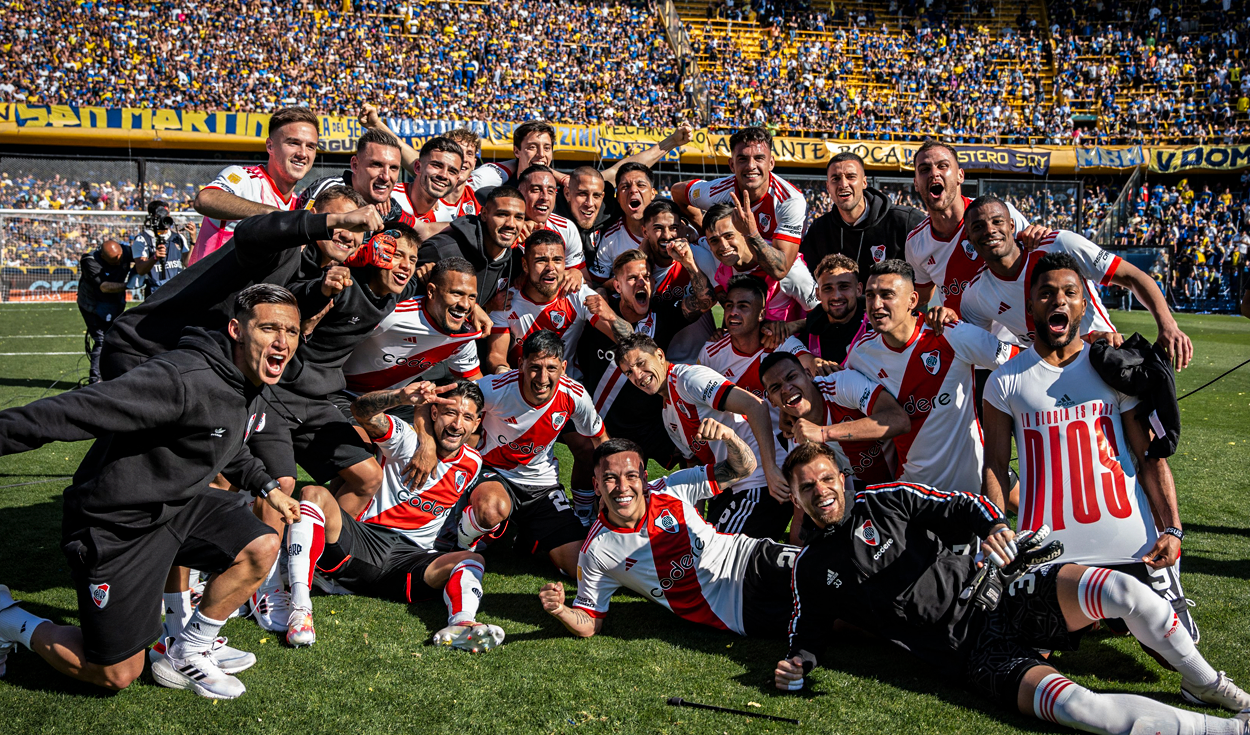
882, 374
630, 562
931, 261
412, 340
867, 533
1003, 306
510, 420
729, 373
1065, 402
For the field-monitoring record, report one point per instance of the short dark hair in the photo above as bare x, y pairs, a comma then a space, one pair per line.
631, 166
836, 261
377, 137
716, 213
778, 357
536, 168
443, 145
503, 192
896, 267
930, 144
982, 201
751, 283
464, 389
246, 301
618, 445
544, 343
524, 130
451, 265
845, 156
288, 115
658, 207
805, 454
627, 257
587, 171
336, 192
750, 135
543, 237
636, 341
1057, 261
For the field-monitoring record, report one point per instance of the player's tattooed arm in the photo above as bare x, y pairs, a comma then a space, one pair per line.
574, 619
701, 298
772, 260
739, 461
369, 409
608, 321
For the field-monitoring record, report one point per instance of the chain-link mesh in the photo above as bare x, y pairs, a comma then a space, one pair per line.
1054, 203
176, 182
40, 249
68, 183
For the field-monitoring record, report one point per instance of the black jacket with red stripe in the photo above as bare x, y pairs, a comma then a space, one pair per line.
889, 569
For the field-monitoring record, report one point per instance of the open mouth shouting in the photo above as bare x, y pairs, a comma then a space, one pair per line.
642, 299
274, 361
795, 403
634, 205
1057, 324
935, 190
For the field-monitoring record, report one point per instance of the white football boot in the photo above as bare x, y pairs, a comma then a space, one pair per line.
1222, 693
470, 636
299, 628
229, 659
272, 608
197, 672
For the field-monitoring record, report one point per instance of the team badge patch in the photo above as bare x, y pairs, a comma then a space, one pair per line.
878, 253
765, 221
99, 594
867, 533
970, 251
667, 522
469, 208
932, 361
557, 318
461, 478
558, 419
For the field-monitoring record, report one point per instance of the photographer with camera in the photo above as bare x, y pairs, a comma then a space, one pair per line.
161, 250
102, 296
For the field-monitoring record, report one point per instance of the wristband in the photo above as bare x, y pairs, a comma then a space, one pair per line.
264, 490
1174, 531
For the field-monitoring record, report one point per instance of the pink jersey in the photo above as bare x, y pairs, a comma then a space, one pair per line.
788, 299
991, 299
404, 345
565, 315
779, 215
691, 394
849, 396
519, 436
1077, 473
247, 182
673, 557
418, 515
932, 378
952, 264
616, 240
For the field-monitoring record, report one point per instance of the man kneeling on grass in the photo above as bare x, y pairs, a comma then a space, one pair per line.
389, 552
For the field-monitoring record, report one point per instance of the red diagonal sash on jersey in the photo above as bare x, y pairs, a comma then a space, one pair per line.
873, 459
688, 422
1030, 329
676, 562
534, 441
412, 365
547, 319
918, 383
674, 284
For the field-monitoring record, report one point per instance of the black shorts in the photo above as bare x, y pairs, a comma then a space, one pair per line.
1166, 583
542, 517
320, 439
119, 577
376, 561
767, 599
1003, 645
750, 511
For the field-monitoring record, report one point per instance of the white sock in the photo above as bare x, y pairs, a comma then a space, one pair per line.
468, 531
177, 611
1060, 700
583, 502
1104, 593
20, 624
197, 635
463, 592
305, 540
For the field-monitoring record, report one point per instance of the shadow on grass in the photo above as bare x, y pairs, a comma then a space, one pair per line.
1228, 568
36, 382
30, 547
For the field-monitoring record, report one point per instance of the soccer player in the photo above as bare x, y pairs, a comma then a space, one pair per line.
486, 240
461, 200
674, 278
437, 171
650, 538
141, 498
635, 190
1000, 293
931, 375
422, 331
1083, 464
539, 186
239, 192
832, 327
525, 411
533, 143
374, 174
388, 550
692, 393
729, 229
847, 411
882, 564
538, 305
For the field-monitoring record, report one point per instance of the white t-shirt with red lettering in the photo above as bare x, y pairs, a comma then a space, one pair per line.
932, 378
565, 315
691, 394
519, 437
992, 299
252, 183
673, 557
779, 215
952, 264
405, 344
1077, 473
418, 515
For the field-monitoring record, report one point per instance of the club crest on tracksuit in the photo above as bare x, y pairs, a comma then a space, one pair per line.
867, 533
99, 594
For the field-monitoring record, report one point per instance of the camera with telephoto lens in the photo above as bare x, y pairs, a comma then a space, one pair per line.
159, 217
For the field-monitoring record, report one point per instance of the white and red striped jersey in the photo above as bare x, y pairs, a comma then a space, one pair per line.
672, 282
779, 215
1077, 472
992, 299
615, 240
519, 437
493, 174
691, 394
786, 300
418, 515
673, 557
850, 395
405, 344
442, 211
247, 182
565, 315
932, 378
952, 264
574, 257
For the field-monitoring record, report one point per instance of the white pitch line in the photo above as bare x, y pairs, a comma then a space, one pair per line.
28, 354
38, 336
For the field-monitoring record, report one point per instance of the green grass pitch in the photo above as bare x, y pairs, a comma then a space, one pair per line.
372, 669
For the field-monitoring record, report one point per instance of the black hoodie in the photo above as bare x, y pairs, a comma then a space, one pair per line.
879, 236
465, 239
162, 432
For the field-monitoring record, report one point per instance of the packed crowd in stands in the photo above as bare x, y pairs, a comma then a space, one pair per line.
28, 191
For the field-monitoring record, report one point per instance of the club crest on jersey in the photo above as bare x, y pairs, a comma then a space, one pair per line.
461, 478
970, 251
468, 208
765, 221
558, 419
99, 594
932, 361
878, 253
667, 522
557, 318
867, 533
